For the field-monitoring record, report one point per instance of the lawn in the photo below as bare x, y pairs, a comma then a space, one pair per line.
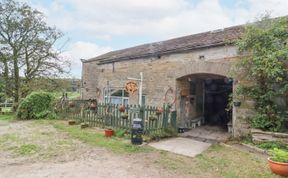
7, 117
49, 141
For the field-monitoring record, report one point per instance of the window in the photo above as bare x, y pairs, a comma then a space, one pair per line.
116, 96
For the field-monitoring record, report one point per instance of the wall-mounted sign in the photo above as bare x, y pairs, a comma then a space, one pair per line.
131, 87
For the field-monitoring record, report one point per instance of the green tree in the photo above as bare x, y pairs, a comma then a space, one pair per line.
27, 48
264, 49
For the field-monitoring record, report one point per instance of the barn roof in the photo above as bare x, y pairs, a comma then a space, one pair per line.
218, 37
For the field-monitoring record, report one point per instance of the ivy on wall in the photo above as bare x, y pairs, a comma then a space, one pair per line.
264, 62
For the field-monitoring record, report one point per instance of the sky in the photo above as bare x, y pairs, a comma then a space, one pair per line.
95, 27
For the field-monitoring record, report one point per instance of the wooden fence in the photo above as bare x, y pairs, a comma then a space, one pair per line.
109, 115
6, 107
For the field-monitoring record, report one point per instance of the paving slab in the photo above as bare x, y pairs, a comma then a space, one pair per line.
183, 146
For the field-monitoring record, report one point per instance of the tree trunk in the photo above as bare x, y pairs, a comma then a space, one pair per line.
16, 78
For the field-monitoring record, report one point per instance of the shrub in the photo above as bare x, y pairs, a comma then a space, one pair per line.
272, 145
279, 155
37, 105
264, 55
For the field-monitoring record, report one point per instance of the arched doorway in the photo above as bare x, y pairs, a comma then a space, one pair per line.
203, 100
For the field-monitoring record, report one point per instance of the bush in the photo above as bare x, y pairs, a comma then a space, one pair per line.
37, 105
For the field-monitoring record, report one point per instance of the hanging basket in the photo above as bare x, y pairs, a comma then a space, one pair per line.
124, 116
121, 108
159, 110
71, 104
93, 106
153, 117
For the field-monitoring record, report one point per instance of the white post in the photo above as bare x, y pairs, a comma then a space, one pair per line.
140, 88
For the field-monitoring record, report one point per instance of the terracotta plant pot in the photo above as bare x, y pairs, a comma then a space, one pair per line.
93, 106
109, 132
71, 122
278, 167
159, 110
71, 104
121, 108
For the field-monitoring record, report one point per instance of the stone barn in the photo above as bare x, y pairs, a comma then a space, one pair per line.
190, 72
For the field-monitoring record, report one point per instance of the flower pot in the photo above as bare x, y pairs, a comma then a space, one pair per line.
109, 132
278, 167
84, 125
237, 103
124, 117
121, 108
93, 106
159, 110
152, 118
71, 104
71, 122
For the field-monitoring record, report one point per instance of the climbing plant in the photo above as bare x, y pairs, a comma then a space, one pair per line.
264, 64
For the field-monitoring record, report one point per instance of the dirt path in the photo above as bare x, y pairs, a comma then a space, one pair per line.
61, 156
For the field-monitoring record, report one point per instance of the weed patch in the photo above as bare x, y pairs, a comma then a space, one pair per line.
27, 149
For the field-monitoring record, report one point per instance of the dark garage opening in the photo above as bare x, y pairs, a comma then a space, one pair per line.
216, 98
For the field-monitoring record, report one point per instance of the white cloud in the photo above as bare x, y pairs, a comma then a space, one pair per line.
154, 19
82, 50
159, 19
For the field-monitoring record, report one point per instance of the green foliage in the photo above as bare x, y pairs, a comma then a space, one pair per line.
279, 155
264, 49
272, 145
37, 105
163, 133
7, 117
121, 132
27, 149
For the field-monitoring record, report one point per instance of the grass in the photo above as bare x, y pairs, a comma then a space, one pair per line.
27, 149
40, 141
227, 162
7, 117
114, 144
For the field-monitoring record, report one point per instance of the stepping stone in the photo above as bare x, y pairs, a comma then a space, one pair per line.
183, 146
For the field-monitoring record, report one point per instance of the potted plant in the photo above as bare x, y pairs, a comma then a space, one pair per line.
93, 106
109, 132
278, 162
159, 110
84, 125
71, 122
237, 103
121, 108
124, 115
71, 104
152, 117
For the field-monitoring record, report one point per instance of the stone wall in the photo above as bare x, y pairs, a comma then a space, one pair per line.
160, 73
